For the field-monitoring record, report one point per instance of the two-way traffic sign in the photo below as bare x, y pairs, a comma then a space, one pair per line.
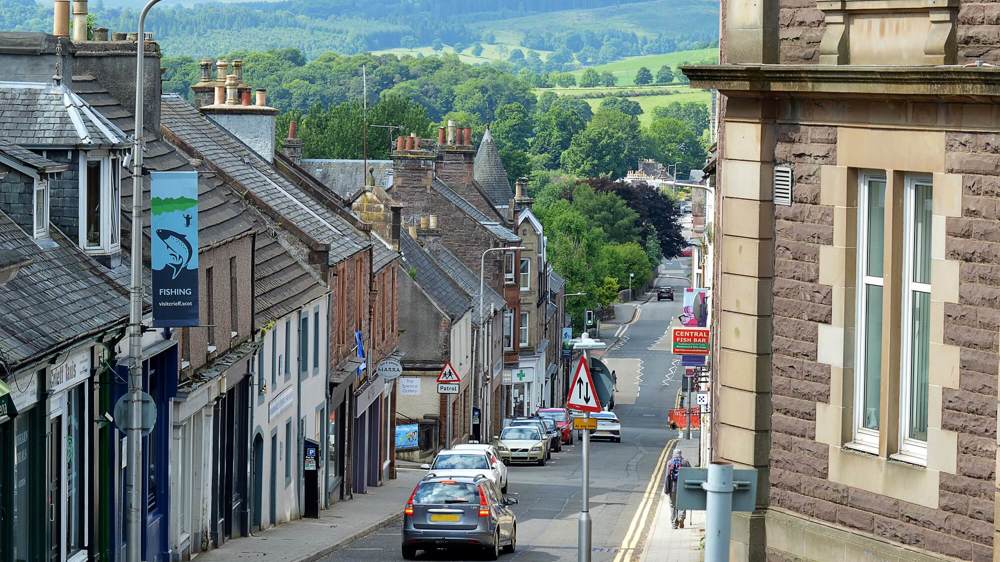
582, 392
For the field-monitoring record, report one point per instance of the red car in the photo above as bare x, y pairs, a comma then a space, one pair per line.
687, 252
563, 422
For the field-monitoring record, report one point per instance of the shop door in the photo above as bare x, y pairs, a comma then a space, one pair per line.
258, 481
54, 490
273, 503
6, 494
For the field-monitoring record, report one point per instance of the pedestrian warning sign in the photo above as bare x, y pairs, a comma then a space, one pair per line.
582, 392
448, 374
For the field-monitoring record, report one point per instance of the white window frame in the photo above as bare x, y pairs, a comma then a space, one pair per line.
910, 449
508, 268
40, 228
524, 330
508, 330
864, 438
525, 276
110, 194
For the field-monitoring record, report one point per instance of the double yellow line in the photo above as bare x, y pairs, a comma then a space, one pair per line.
627, 550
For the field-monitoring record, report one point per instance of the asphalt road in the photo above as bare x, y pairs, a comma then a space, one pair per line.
621, 473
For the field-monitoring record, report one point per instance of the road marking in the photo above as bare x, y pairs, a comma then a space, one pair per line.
631, 540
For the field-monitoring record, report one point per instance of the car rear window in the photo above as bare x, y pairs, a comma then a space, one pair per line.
606, 417
446, 492
554, 415
521, 433
461, 462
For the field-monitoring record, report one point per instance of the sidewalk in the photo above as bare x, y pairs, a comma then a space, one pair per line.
305, 540
676, 545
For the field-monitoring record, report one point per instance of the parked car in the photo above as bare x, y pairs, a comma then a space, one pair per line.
687, 252
458, 511
665, 293
563, 422
494, 457
524, 443
452, 462
554, 433
540, 424
608, 427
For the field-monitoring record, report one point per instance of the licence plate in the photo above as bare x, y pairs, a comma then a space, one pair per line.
445, 518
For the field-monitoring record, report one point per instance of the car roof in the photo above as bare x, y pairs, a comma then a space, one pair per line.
439, 476
461, 452
472, 447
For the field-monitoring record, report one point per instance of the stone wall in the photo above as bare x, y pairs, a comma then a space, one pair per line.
962, 526
801, 29
978, 34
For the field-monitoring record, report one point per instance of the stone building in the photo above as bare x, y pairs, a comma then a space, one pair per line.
856, 343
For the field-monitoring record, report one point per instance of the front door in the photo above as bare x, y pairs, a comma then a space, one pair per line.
54, 489
273, 503
258, 481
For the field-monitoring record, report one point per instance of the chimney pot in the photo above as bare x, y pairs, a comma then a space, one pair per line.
206, 70
451, 132
400, 143
220, 95
433, 222
425, 222
409, 143
238, 69
467, 136
132, 37
293, 130
442, 136
60, 19
518, 189
79, 21
101, 34
245, 97
221, 67
261, 97
119, 36
231, 90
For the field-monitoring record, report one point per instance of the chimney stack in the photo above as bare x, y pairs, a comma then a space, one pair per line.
79, 21
234, 110
293, 144
60, 20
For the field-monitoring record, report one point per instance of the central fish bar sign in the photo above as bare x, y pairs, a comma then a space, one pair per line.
174, 249
689, 341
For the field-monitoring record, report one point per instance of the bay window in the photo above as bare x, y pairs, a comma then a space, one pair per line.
41, 206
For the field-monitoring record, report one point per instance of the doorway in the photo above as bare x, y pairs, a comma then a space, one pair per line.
54, 489
258, 480
273, 496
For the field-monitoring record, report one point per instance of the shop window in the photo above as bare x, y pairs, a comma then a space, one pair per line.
76, 423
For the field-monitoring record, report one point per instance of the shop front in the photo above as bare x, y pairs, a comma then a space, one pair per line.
368, 428
22, 470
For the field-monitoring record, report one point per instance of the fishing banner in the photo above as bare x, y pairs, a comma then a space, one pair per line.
174, 252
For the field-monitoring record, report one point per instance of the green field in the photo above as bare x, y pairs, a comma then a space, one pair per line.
649, 103
492, 52
625, 69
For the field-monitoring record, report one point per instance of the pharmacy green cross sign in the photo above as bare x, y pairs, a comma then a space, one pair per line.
521, 376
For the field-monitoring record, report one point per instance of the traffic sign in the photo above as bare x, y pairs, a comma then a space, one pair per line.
448, 375
702, 399
585, 424
582, 392
147, 420
448, 388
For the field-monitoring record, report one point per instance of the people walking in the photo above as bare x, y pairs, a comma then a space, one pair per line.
670, 487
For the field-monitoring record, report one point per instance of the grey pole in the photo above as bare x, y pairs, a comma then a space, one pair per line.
687, 405
718, 511
135, 509
583, 553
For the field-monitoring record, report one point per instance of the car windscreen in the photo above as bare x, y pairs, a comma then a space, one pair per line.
549, 424
446, 492
520, 434
461, 462
554, 416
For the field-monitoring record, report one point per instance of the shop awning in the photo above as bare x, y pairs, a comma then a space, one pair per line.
7, 408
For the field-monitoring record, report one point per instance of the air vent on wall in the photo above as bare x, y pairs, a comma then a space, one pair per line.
782, 185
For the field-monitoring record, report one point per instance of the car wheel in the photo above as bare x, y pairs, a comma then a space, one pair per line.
504, 489
493, 551
510, 548
409, 552
541, 462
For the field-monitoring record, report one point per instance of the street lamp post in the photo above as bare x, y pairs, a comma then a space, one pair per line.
136, 507
631, 276
483, 342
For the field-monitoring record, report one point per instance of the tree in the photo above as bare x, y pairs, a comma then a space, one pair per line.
477, 49
608, 79
516, 56
643, 76
674, 141
555, 127
656, 210
590, 78
693, 113
611, 143
625, 105
664, 75
512, 127
566, 80
621, 260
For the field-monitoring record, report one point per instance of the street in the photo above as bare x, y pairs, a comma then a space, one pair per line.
624, 496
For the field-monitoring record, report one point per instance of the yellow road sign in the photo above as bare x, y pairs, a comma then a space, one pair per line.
585, 423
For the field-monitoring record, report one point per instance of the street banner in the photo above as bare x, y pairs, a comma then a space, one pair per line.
174, 249
695, 309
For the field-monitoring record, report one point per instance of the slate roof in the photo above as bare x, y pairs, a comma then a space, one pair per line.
283, 283
243, 165
435, 282
346, 178
556, 282
60, 297
38, 115
467, 279
220, 212
29, 159
490, 174
495, 228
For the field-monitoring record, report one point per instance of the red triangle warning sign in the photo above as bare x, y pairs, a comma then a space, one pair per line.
448, 374
582, 392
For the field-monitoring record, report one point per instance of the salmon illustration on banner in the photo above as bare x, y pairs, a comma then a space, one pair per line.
174, 248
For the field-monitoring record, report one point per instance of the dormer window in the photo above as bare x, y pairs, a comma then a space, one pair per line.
41, 208
100, 202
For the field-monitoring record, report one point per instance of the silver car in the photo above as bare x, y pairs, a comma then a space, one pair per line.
450, 512
524, 443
